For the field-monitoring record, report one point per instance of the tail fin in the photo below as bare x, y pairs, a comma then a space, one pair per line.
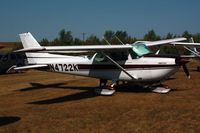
28, 41
31, 48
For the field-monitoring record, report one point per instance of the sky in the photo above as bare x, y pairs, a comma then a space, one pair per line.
45, 18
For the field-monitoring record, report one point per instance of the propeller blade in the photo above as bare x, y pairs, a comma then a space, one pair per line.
186, 70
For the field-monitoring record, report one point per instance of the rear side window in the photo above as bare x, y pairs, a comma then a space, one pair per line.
5, 57
100, 58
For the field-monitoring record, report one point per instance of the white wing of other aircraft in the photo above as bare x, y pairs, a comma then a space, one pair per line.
190, 46
186, 43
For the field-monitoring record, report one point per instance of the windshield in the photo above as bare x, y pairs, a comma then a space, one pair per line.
141, 49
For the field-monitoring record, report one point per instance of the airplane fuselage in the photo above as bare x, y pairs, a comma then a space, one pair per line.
144, 69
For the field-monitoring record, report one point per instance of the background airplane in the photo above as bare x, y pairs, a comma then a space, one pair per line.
191, 46
8, 61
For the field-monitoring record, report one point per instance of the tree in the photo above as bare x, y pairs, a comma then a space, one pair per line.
56, 41
169, 36
93, 40
44, 42
131, 40
186, 34
109, 35
151, 36
65, 38
122, 35
196, 37
78, 41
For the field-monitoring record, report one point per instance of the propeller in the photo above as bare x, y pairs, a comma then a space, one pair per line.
182, 62
186, 71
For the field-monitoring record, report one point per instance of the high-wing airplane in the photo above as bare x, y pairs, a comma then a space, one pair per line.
191, 47
132, 63
8, 61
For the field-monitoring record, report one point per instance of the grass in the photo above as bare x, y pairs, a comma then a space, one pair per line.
63, 103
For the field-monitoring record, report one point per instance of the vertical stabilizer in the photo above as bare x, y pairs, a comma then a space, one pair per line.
28, 41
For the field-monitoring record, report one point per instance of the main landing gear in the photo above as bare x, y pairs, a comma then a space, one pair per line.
162, 89
104, 89
108, 90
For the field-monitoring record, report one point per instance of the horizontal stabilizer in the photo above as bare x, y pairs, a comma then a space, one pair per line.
30, 67
30, 49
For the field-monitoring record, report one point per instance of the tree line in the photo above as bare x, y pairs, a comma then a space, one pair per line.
66, 38
111, 37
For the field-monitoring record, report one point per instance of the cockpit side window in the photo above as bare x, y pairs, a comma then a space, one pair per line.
139, 50
133, 54
100, 58
117, 56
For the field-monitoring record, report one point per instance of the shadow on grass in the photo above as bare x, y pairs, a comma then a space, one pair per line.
67, 98
8, 120
133, 89
88, 92
138, 89
37, 86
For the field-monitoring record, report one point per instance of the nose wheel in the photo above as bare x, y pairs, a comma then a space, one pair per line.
104, 89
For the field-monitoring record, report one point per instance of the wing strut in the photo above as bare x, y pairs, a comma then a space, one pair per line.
195, 53
120, 67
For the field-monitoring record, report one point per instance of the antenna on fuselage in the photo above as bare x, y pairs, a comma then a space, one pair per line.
119, 40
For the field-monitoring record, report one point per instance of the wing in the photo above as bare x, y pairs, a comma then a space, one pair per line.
162, 42
88, 47
112, 47
77, 48
186, 44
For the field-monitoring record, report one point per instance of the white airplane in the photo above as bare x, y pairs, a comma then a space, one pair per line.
131, 63
191, 46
